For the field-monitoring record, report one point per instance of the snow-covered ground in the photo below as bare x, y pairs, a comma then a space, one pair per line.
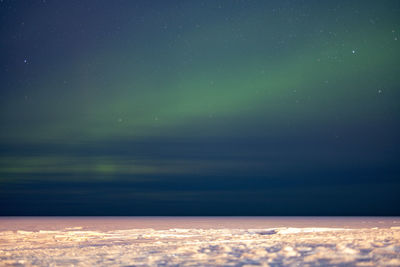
281, 246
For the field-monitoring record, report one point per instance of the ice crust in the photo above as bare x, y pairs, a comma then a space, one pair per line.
202, 247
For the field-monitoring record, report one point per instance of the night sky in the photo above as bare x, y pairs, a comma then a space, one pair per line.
199, 107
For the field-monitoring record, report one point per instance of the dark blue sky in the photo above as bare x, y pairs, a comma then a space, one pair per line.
199, 108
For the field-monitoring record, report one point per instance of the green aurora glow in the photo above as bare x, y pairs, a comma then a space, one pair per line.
309, 78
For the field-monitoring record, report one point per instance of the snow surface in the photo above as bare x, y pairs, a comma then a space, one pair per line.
202, 247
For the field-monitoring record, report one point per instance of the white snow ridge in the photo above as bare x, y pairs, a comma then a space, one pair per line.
202, 247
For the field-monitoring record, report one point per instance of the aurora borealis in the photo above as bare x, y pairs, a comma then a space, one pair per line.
199, 107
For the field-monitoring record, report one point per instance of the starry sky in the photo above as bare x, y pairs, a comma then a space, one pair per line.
199, 107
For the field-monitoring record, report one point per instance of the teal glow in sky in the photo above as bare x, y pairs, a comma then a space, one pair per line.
169, 100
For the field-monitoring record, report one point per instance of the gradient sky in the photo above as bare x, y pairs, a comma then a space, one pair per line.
199, 107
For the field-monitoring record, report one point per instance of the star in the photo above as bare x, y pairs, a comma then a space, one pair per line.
380, 91
25, 61
353, 51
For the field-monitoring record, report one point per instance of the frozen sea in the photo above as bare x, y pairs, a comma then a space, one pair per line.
200, 241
